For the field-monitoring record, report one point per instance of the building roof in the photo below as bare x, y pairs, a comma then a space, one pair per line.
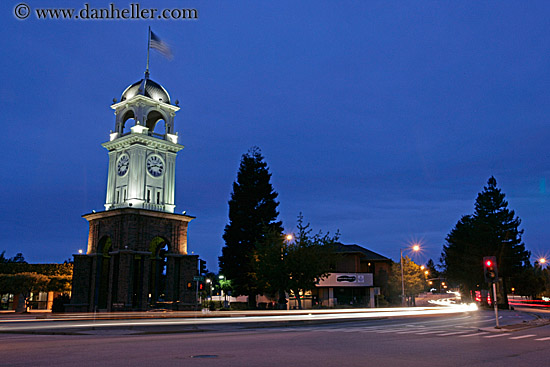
148, 88
366, 254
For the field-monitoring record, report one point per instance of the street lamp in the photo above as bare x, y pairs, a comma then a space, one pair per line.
209, 282
415, 248
289, 237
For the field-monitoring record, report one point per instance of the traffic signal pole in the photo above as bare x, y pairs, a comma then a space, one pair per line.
197, 296
495, 303
490, 272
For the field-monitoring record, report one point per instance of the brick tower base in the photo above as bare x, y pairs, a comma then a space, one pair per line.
136, 260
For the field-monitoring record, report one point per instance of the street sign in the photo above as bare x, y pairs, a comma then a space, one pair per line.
198, 278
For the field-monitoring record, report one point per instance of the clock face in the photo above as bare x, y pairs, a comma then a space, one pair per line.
123, 164
155, 165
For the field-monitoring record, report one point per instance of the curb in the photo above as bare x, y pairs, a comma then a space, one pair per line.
518, 327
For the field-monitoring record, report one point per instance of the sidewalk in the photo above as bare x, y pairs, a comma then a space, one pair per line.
515, 320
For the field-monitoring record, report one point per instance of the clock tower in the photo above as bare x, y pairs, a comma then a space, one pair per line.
137, 257
142, 157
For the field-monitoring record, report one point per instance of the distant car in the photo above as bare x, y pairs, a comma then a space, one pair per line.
346, 278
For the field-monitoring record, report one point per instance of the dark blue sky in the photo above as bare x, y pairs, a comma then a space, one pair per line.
381, 119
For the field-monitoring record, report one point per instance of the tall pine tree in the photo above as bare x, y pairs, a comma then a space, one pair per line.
493, 230
252, 215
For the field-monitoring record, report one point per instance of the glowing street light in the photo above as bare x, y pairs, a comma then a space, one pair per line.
415, 248
542, 260
289, 237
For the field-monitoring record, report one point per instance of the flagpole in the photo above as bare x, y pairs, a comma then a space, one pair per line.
148, 46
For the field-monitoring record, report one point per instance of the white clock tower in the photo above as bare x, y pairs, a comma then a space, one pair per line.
142, 157
137, 256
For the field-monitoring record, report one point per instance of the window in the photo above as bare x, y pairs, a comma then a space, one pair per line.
158, 197
148, 196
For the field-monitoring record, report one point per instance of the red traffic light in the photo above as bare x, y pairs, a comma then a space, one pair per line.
490, 271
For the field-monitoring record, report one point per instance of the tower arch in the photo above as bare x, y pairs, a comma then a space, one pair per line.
159, 248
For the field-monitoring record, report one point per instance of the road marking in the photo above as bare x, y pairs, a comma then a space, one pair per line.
542, 339
453, 333
523, 336
410, 331
476, 334
495, 336
430, 332
390, 331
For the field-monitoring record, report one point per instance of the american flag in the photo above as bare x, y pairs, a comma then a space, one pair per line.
161, 46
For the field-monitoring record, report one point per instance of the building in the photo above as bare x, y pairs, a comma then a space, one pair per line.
38, 296
137, 255
359, 275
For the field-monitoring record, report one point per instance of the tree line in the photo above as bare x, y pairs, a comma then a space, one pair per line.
257, 259
492, 230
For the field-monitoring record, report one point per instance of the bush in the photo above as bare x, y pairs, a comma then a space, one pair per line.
381, 301
236, 306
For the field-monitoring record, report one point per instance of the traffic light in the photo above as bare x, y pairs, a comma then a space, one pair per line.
202, 267
490, 270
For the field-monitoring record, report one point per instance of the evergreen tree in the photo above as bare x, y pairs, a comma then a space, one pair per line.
493, 230
271, 268
252, 214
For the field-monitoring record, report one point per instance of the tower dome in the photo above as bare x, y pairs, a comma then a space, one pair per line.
148, 88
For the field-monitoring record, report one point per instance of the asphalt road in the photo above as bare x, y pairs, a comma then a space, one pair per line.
451, 340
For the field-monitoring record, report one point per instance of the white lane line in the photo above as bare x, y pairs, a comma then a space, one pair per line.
411, 331
476, 334
522, 336
389, 331
453, 333
542, 339
430, 332
495, 336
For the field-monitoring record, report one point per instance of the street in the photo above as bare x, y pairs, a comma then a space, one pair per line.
449, 340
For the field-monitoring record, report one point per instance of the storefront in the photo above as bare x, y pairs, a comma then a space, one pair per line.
346, 289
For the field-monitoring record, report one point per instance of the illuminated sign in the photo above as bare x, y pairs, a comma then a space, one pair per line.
347, 280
